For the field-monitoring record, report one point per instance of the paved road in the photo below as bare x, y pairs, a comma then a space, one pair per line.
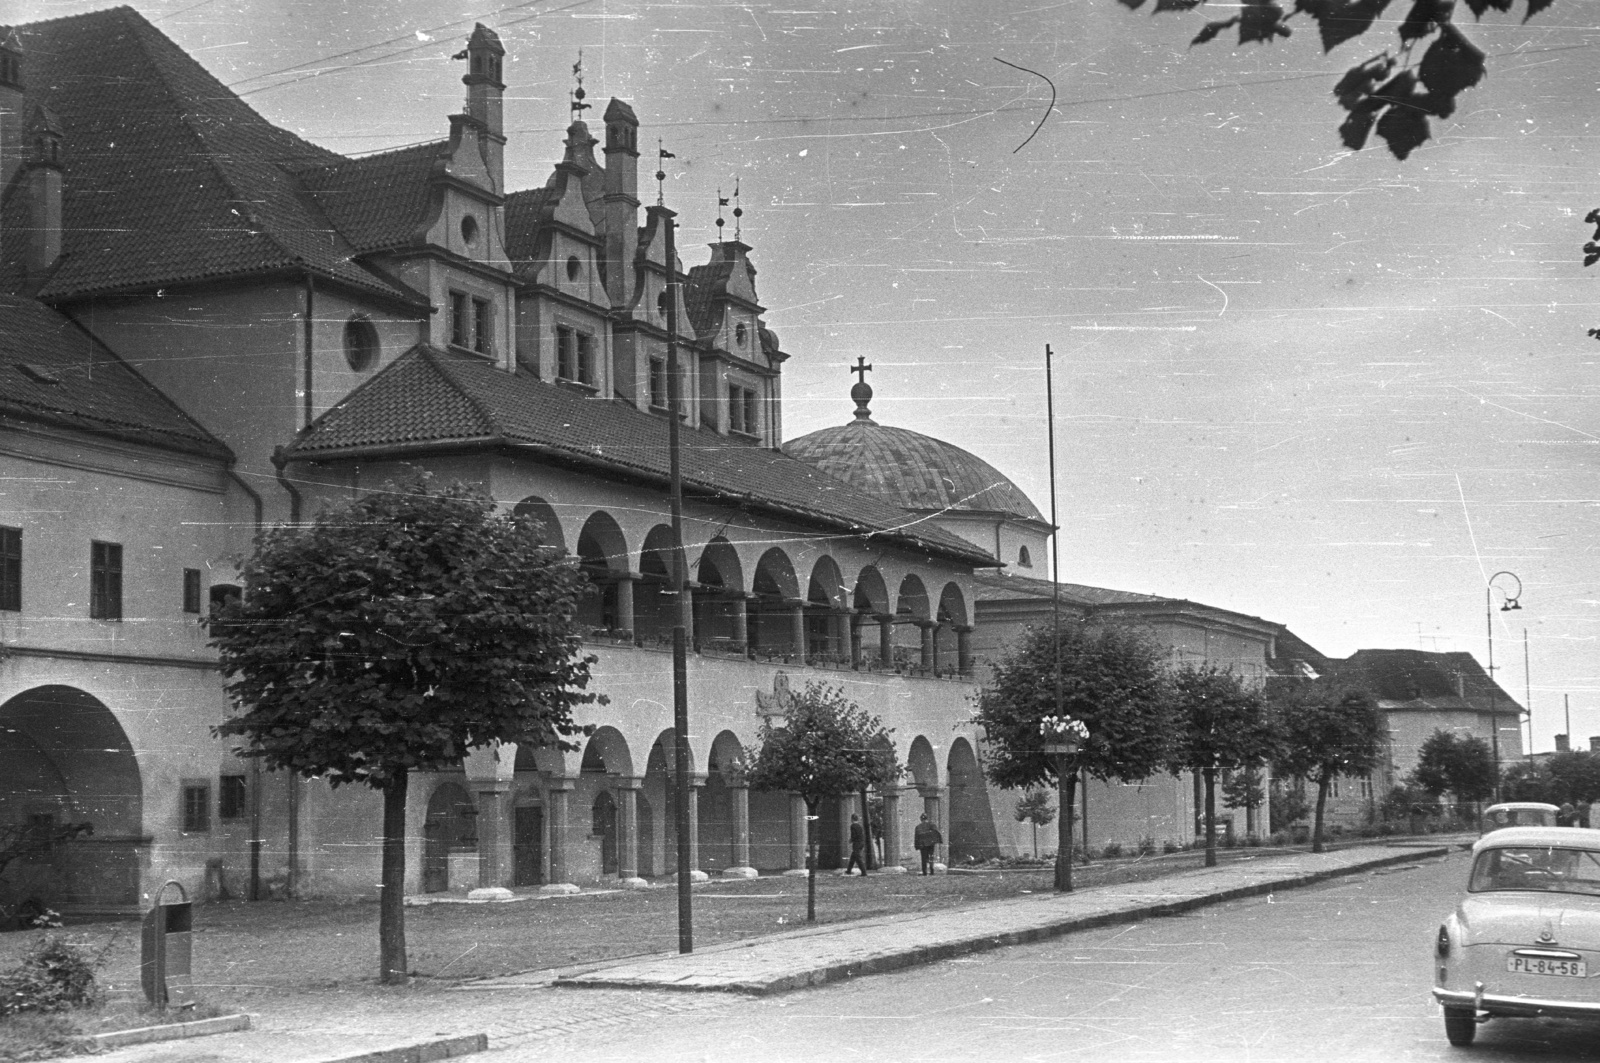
1339, 972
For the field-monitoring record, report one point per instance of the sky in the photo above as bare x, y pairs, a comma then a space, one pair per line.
1327, 388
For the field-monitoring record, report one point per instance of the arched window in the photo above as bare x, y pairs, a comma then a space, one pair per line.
1023, 558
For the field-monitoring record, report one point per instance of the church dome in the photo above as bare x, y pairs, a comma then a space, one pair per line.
911, 470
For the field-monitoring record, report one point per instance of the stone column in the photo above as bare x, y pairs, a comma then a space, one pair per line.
893, 853
557, 879
849, 805
964, 649
628, 787
625, 581
741, 627
797, 835
797, 628
494, 834
697, 782
885, 639
686, 610
841, 633
739, 799
927, 627
855, 639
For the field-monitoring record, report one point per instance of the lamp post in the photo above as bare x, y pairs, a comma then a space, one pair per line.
1511, 602
1063, 737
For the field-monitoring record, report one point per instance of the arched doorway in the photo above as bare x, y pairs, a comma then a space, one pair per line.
451, 827
65, 760
972, 836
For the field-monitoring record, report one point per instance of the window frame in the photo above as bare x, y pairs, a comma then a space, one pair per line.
10, 569
191, 591
743, 410
460, 336
105, 580
660, 388
233, 796
194, 811
575, 356
482, 324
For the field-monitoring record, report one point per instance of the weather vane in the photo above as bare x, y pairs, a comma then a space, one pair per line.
661, 173
578, 106
738, 211
721, 202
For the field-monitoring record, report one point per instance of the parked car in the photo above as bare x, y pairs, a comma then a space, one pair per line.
1525, 939
1519, 814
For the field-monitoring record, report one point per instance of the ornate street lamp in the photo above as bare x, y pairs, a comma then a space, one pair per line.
1511, 602
1063, 738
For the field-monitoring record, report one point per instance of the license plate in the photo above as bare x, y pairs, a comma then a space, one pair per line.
1537, 965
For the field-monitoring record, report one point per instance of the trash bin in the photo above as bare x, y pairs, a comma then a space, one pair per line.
167, 950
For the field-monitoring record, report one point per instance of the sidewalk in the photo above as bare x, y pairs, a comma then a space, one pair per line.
512, 1010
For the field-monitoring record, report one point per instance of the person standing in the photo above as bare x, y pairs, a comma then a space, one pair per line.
925, 837
858, 844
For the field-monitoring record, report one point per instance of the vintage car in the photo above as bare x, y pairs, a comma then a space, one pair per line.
1525, 940
1519, 814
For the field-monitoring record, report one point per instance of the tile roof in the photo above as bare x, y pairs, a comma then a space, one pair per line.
53, 371
170, 177
1422, 679
378, 202
525, 217
434, 398
995, 586
707, 284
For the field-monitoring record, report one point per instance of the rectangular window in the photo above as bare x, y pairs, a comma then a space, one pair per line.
742, 413
196, 807
566, 368
585, 358
11, 569
658, 383
232, 797
105, 581
482, 332
460, 327
191, 590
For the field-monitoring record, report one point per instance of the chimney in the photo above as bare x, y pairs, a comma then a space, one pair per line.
621, 201
11, 98
44, 192
1594, 743
485, 99
1563, 743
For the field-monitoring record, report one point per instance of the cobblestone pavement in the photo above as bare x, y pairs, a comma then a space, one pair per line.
531, 1009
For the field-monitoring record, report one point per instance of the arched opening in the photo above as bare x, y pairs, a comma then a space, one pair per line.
603, 556
1024, 559
605, 758
655, 605
538, 512
451, 827
826, 633
971, 837
719, 606
769, 613
913, 650
870, 602
719, 827
603, 826
66, 760
922, 777
952, 614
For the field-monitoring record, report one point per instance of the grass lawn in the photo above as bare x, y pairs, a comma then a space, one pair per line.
245, 952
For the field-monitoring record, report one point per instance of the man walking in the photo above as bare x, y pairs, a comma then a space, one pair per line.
925, 837
858, 844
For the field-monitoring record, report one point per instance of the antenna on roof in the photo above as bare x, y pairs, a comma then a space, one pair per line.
578, 106
721, 202
661, 174
738, 211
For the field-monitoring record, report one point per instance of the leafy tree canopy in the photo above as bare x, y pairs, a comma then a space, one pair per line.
826, 745
391, 634
1326, 732
1113, 679
1461, 764
1221, 723
1395, 92
1035, 807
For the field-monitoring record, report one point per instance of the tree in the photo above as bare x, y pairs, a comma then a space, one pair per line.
1574, 777
1244, 789
1461, 764
1112, 680
1398, 90
1325, 732
1034, 807
1221, 725
826, 746
388, 636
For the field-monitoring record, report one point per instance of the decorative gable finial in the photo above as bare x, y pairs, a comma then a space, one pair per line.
861, 391
578, 106
738, 211
721, 202
662, 155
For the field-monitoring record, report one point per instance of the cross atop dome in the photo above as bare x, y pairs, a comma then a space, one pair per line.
861, 392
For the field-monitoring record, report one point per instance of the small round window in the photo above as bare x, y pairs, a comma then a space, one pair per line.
469, 230
360, 344
574, 267
741, 333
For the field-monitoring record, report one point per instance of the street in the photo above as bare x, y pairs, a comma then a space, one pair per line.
1335, 972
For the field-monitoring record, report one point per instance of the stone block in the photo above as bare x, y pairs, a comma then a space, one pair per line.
740, 872
559, 889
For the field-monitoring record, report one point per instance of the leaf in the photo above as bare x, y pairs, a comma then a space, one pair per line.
1536, 6
1342, 20
1131, 5
1261, 21
1591, 253
1404, 127
1209, 32
1422, 18
1354, 90
1480, 6
1451, 64
1175, 5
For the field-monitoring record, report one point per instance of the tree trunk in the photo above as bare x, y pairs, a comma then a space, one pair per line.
1066, 784
868, 862
1323, 781
811, 861
1035, 838
1210, 776
391, 894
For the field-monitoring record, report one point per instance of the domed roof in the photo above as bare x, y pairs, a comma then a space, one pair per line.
911, 470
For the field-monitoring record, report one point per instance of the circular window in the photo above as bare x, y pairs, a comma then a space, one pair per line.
574, 267
469, 230
740, 334
360, 344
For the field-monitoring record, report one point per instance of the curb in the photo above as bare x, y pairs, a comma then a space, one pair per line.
950, 949
172, 1031
421, 1052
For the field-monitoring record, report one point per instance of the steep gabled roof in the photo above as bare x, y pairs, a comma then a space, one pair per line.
434, 399
381, 201
708, 285
54, 372
1423, 679
526, 212
170, 177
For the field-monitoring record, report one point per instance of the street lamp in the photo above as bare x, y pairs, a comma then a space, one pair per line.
1063, 737
1511, 602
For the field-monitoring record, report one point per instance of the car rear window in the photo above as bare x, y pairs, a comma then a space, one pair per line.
1548, 868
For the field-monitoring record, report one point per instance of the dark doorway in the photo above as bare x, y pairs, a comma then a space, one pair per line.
527, 849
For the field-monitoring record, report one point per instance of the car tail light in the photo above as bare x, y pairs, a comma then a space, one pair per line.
1443, 945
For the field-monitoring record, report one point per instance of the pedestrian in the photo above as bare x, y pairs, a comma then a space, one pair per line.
858, 844
925, 837
1568, 816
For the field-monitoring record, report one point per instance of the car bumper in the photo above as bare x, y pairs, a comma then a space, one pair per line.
1518, 1007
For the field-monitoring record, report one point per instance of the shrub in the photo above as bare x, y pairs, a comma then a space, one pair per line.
1169, 847
1147, 846
53, 976
1111, 851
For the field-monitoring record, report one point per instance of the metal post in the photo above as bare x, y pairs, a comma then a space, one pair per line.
1063, 877
1494, 689
1527, 694
680, 653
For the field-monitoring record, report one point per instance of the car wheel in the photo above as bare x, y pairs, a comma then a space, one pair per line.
1459, 1026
